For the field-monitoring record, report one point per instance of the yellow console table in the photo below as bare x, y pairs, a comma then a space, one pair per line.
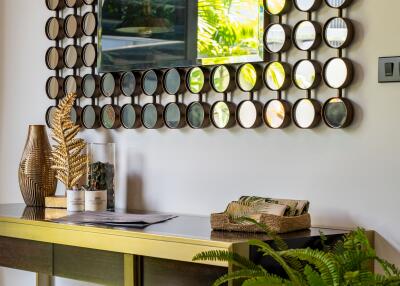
160, 254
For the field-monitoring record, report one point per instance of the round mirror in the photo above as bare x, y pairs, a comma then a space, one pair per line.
90, 86
338, 33
55, 28
277, 38
73, 57
339, 4
221, 79
338, 112
128, 84
91, 117
89, 55
172, 81
54, 58
198, 115
249, 114
110, 116
276, 7
54, 87
307, 5
223, 114
54, 5
277, 76
307, 35
307, 74
175, 115
76, 115
307, 113
248, 78
196, 80
277, 114
72, 26
108, 85
89, 24
130, 116
150, 82
73, 3
90, 2
338, 73
72, 84
152, 116
50, 113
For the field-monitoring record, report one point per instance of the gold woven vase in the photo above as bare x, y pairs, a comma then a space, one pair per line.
36, 178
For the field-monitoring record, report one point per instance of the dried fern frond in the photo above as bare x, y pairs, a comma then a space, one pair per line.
67, 156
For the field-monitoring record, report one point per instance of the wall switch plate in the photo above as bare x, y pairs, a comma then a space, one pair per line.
389, 69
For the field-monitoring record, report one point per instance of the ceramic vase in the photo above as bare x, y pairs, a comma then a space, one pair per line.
75, 201
95, 201
36, 178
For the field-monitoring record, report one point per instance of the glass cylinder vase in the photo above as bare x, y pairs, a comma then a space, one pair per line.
101, 170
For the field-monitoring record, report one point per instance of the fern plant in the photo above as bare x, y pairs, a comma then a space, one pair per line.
346, 263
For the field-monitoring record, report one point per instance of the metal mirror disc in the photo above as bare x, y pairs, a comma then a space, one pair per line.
150, 82
128, 116
50, 116
53, 28
196, 80
304, 74
71, 56
221, 114
275, 38
305, 5
108, 116
336, 3
89, 23
335, 113
70, 85
275, 76
52, 87
247, 77
336, 32
305, 35
304, 113
247, 114
172, 115
52, 58
150, 116
52, 4
88, 85
172, 81
89, 117
196, 115
221, 79
71, 26
275, 114
74, 115
89, 55
70, 3
128, 84
275, 7
336, 73
108, 85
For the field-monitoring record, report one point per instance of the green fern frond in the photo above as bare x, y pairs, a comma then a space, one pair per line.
240, 274
234, 258
313, 277
267, 281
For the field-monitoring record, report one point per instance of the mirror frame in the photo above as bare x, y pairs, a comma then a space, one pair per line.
117, 90
232, 80
97, 91
206, 86
345, 4
207, 111
258, 85
349, 108
259, 109
182, 82
60, 61
117, 112
95, 24
287, 108
159, 88
350, 33
314, 7
288, 76
60, 82
286, 8
79, 61
60, 34
60, 5
79, 30
318, 74
288, 38
318, 35
160, 118
137, 90
232, 114
317, 110
97, 112
78, 83
84, 55
138, 115
182, 110
350, 73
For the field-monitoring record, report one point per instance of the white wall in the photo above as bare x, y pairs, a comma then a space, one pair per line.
351, 177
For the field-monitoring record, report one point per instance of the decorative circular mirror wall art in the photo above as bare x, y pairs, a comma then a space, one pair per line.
201, 96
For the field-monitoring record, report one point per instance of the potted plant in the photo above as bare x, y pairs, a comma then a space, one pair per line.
348, 263
68, 158
98, 181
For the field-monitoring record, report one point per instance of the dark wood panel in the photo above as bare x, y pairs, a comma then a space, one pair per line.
163, 272
102, 267
26, 255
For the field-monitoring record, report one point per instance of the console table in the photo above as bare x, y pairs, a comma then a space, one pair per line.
160, 254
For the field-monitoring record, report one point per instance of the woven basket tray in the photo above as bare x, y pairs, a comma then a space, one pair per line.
277, 224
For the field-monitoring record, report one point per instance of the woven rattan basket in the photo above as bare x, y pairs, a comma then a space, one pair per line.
278, 224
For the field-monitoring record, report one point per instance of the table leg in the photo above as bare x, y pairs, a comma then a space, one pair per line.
43, 280
129, 270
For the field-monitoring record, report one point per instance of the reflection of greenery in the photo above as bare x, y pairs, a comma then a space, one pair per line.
221, 114
221, 79
275, 6
196, 80
247, 77
229, 28
275, 75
